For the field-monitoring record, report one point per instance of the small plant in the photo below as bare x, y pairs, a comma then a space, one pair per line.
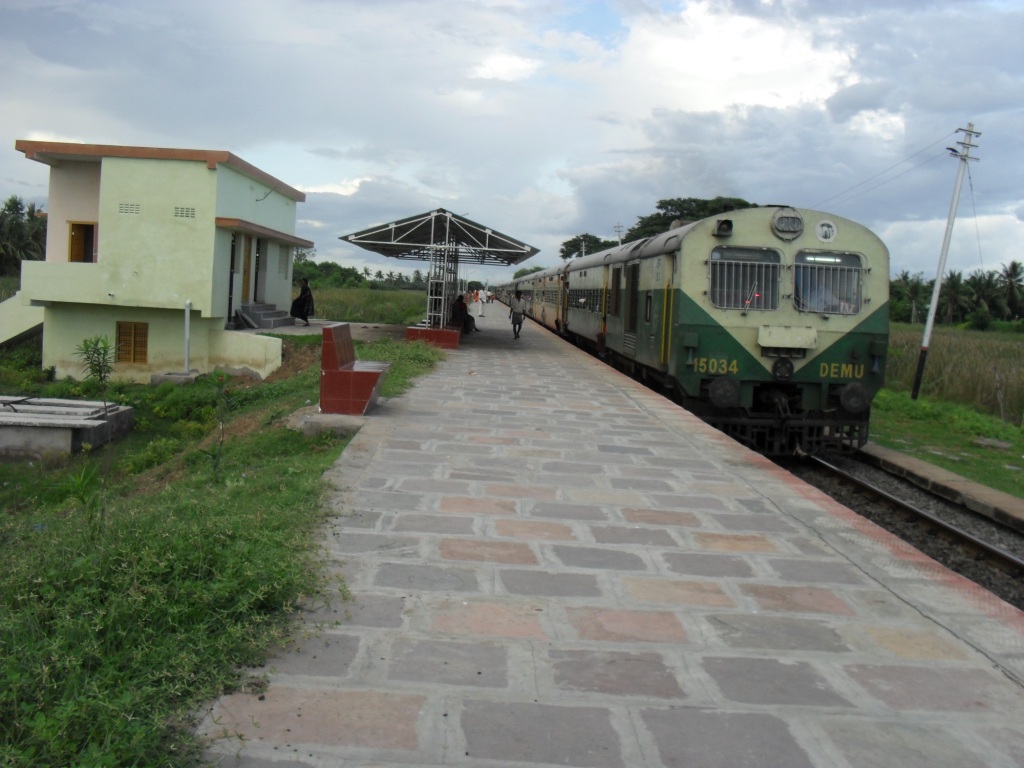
98, 361
220, 381
85, 488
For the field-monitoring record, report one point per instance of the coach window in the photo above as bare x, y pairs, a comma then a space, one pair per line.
744, 278
830, 283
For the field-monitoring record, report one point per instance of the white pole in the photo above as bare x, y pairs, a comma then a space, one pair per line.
188, 314
964, 156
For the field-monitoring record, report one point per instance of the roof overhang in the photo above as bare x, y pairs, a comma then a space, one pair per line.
426, 235
53, 153
248, 228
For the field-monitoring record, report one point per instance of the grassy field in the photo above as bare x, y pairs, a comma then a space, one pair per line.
137, 580
372, 306
967, 418
981, 370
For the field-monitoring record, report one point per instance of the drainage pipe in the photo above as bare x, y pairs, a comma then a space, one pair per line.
188, 313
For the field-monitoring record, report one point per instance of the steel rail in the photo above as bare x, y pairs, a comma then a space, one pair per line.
1007, 558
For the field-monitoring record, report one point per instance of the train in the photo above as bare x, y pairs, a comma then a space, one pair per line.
770, 323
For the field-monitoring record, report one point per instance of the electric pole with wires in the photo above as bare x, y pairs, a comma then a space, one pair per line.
964, 156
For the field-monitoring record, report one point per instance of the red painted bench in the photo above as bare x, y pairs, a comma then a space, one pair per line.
446, 338
347, 385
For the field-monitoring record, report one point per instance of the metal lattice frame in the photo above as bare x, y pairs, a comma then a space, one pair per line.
445, 240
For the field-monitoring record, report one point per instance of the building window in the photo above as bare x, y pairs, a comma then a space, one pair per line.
132, 342
181, 212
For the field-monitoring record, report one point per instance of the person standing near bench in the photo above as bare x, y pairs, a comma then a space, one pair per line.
516, 311
302, 307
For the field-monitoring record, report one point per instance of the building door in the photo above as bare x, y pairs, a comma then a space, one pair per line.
82, 241
246, 268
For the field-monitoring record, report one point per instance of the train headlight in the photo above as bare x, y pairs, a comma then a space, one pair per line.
854, 398
782, 369
787, 224
724, 392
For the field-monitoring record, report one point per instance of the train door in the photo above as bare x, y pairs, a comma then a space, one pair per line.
563, 300
655, 298
631, 313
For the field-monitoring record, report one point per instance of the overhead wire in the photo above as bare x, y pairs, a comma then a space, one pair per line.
974, 208
882, 173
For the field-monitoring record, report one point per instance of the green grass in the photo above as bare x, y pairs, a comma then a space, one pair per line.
137, 581
387, 307
957, 438
972, 394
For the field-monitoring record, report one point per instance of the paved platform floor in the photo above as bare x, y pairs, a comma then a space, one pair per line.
551, 565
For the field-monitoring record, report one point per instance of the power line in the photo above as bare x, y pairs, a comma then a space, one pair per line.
940, 140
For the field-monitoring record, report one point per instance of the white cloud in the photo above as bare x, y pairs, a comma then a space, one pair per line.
506, 66
346, 187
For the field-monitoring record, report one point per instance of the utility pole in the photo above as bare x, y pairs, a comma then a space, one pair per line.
965, 156
618, 232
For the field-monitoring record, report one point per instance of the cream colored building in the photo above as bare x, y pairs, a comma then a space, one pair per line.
152, 247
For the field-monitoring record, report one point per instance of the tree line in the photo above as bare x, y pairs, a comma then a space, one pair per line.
978, 300
329, 274
22, 235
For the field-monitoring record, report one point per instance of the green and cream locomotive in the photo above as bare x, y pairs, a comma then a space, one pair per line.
770, 323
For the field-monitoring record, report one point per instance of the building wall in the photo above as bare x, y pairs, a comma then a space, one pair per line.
239, 197
74, 196
163, 255
210, 346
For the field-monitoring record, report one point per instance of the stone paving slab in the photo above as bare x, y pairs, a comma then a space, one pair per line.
551, 565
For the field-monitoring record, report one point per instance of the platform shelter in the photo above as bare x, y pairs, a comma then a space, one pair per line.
447, 242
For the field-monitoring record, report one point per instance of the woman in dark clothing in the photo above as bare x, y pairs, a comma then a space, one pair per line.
302, 307
461, 317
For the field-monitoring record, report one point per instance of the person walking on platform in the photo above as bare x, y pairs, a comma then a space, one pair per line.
302, 307
516, 311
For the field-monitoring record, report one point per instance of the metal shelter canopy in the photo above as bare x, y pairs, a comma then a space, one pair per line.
421, 237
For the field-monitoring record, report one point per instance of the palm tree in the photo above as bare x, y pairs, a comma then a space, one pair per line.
955, 296
917, 291
366, 272
379, 276
987, 291
1012, 279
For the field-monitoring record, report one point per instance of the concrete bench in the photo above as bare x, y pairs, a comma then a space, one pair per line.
445, 338
347, 385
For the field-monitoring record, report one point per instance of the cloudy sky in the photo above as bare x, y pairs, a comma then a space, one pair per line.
544, 119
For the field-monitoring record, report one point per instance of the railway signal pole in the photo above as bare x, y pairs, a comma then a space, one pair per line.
965, 156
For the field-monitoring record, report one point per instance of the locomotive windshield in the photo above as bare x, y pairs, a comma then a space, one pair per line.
745, 278
829, 283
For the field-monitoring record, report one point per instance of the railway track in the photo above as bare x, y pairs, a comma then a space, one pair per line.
974, 546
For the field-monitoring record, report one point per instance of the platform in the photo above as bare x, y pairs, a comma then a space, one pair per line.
552, 565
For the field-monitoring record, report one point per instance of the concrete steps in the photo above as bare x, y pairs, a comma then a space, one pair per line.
265, 316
